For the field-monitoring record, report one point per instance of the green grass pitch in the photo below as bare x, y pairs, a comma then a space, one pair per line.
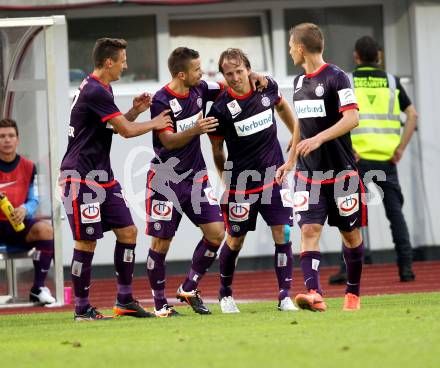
390, 331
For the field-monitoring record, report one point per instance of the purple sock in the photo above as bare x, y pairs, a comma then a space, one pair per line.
203, 257
309, 262
124, 266
41, 259
81, 275
283, 264
156, 277
353, 258
228, 262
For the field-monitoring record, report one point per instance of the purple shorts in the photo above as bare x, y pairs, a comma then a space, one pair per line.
93, 208
240, 211
342, 200
9, 236
166, 203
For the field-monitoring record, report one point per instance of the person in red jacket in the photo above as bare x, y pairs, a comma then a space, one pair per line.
17, 182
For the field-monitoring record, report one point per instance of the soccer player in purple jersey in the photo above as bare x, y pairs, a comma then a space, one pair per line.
93, 199
178, 183
327, 181
248, 126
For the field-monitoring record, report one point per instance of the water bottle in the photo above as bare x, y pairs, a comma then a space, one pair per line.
8, 210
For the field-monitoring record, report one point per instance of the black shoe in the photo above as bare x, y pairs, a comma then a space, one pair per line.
193, 299
91, 314
132, 309
339, 278
407, 276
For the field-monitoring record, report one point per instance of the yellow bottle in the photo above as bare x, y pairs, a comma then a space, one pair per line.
8, 210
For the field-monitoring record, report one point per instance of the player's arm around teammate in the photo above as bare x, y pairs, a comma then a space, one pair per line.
171, 140
240, 110
125, 126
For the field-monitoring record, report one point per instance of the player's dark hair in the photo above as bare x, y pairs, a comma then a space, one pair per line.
9, 123
233, 54
367, 49
179, 60
107, 48
309, 35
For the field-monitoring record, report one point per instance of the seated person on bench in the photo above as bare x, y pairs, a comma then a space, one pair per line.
17, 182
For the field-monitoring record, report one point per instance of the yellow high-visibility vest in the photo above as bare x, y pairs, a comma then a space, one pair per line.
378, 134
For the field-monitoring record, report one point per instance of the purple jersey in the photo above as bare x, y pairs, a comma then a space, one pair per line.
90, 136
319, 100
248, 126
185, 110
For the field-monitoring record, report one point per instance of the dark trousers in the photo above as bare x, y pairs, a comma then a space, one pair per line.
393, 202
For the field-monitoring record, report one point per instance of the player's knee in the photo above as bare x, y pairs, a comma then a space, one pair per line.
160, 245
352, 239
309, 231
281, 234
41, 231
85, 245
216, 237
235, 243
128, 235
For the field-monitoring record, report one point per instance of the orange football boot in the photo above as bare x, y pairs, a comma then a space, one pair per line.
351, 302
312, 301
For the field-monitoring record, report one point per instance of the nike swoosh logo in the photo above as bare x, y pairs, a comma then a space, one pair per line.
287, 279
176, 114
160, 281
352, 223
4, 185
87, 287
235, 115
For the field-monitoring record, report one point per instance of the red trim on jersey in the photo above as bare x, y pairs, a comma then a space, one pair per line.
326, 181
111, 116
216, 137
314, 74
202, 180
148, 204
88, 182
349, 107
250, 191
278, 100
106, 86
224, 207
239, 97
167, 129
76, 213
175, 94
363, 204
222, 88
